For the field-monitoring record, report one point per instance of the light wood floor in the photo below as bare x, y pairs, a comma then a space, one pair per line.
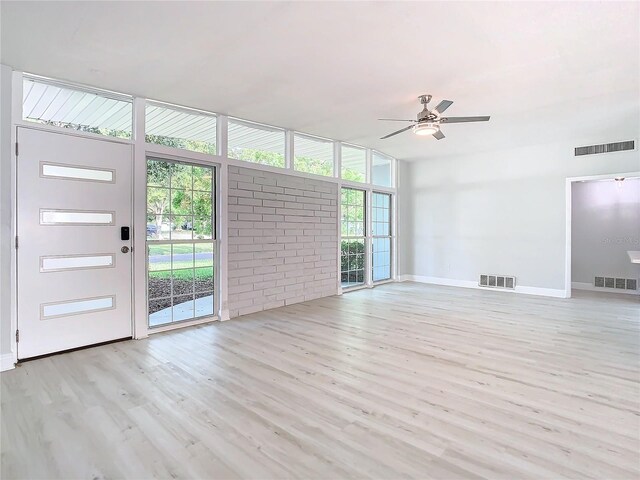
405, 380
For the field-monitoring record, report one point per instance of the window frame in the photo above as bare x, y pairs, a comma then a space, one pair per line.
366, 163
348, 238
214, 241
314, 138
392, 169
257, 126
99, 92
390, 236
181, 109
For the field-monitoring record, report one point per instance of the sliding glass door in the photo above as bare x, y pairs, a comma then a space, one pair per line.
180, 241
353, 250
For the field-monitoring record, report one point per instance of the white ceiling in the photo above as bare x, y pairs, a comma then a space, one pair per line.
543, 71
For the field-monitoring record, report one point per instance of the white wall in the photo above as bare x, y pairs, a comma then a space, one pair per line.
499, 211
605, 223
5, 214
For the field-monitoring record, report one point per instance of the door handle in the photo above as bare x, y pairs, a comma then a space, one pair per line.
124, 249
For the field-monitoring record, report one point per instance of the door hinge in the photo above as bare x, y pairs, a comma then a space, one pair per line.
17, 336
16, 242
16, 149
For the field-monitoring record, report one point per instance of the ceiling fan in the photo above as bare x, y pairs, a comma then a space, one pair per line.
429, 121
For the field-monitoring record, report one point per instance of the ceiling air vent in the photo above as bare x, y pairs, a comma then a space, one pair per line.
605, 148
497, 281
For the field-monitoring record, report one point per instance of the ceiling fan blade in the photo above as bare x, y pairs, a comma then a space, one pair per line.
395, 120
464, 119
397, 132
443, 105
438, 135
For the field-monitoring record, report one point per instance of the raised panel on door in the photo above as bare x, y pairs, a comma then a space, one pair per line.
74, 281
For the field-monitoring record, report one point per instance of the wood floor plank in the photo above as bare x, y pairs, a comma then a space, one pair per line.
401, 381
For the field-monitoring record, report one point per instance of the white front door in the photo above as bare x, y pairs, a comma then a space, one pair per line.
74, 272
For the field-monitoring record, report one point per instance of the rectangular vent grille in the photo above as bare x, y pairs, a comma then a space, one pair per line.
619, 283
605, 148
497, 281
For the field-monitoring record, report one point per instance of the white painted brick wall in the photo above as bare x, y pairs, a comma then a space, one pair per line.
282, 240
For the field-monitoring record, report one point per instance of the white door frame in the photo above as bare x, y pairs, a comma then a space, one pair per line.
568, 186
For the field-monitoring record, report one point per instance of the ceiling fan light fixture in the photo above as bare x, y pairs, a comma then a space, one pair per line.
425, 128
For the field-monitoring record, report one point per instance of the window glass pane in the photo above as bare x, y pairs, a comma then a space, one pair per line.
183, 308
352, 262
69, 217
202, 204
202, 179
381, 259
69, 107
204, 255
381, 170
182, 282
75, 262
181, 227
178, 128
204, 279
181, 202
204, 304
77, 173
159, 173
202, 228
354, 163
159, 311
158, 203
182, 256
313, 155
159, 256
256, 143
159, 227
181, 176
77, 306
159, 285
380, 214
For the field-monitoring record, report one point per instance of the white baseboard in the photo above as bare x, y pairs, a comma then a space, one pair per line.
589, 287
545, 292
7, 362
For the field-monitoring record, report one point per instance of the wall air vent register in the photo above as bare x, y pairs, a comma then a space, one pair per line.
497, 281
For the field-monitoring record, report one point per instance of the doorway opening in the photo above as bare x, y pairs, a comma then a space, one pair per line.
603, 234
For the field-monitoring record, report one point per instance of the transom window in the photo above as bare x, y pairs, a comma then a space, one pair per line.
354, 163
313, 155
381, 170
180, 128
256, 143
60, 105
